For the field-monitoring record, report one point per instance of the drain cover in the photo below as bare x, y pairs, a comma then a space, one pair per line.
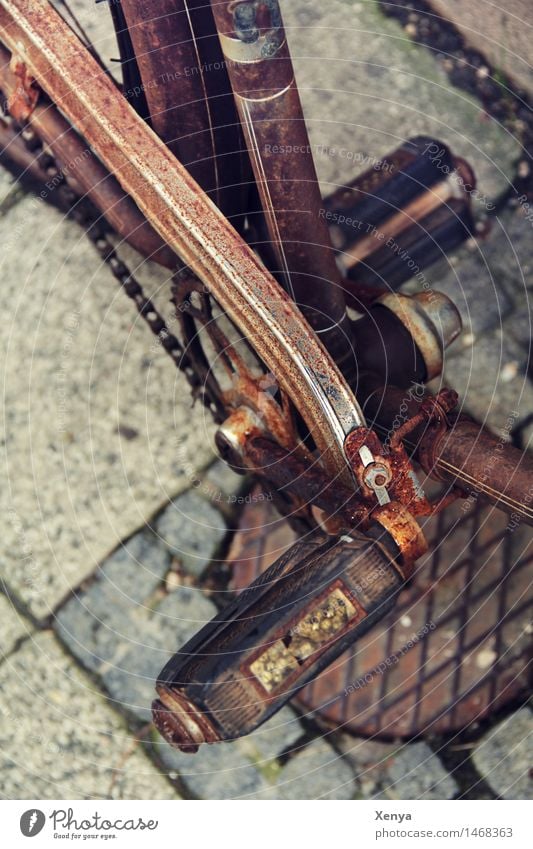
455, 648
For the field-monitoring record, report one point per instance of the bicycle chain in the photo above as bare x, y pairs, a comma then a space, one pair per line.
98, 232
98, 235
82, 211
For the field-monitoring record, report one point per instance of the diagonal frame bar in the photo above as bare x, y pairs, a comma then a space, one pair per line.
188, 221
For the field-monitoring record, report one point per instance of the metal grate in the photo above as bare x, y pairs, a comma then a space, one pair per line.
456, 647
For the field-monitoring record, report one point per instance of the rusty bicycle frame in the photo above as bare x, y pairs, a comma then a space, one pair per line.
187, 224
294, 317
186, 219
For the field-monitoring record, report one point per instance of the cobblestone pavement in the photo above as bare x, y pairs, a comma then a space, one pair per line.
115, 512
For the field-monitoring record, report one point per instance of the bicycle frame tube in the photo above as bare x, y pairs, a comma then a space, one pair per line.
192, 226
188, 221
85, 173
466, 454
262, 77
189, 95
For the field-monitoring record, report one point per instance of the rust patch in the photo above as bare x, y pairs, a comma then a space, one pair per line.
402, 485
23, 97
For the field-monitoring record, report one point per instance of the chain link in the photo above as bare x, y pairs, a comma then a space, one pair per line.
99, 234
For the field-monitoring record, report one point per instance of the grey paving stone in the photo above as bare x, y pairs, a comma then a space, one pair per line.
6, 183
280, 734
99, 623
474, 283
415, 772
244, 768
369, 760
193, 529
366, 87
221, 482
316, 772
520, 327
10, 191
130, 681
516, 260
220, 771
503, 756
499, 31
98, 436
491, 379
118, 631
492, 278
136, 568
13, 626
60, 739
184, 611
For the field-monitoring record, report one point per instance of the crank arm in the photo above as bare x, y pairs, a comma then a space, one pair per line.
188, 221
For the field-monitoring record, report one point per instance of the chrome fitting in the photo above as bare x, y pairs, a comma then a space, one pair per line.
432, 320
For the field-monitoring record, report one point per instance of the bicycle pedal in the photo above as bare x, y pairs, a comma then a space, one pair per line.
402, 214
281, 632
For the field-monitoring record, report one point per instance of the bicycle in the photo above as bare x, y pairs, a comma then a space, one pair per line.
312, 406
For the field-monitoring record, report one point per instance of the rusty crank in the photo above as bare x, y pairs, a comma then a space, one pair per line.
190, 223
325, 592
328, 589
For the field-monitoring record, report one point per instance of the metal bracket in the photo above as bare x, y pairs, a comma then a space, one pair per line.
23, 97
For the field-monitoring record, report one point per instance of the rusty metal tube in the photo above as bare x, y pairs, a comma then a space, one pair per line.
189, 222
190, 104
86, 175
262, 76
284, 469
467, 454
80, 166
